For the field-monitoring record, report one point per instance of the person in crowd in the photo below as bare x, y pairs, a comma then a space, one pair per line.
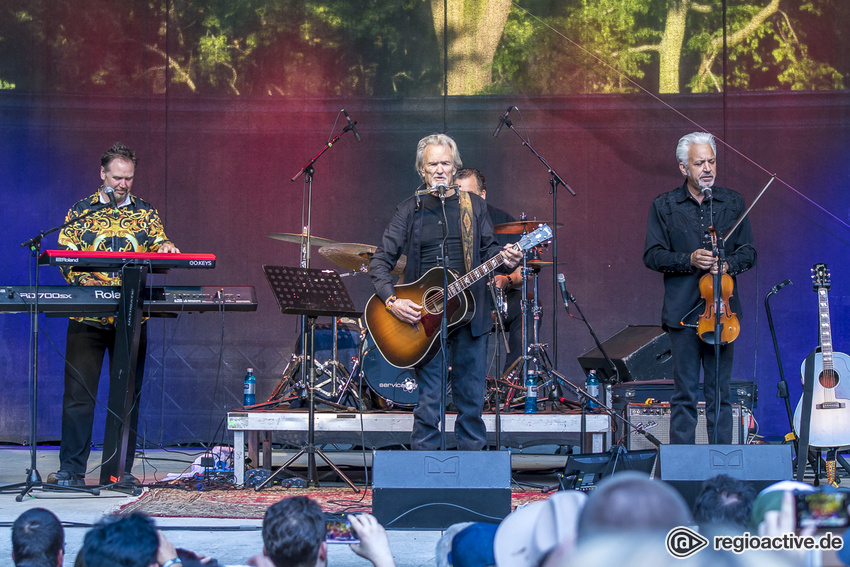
726, 501
38, 539
127, 541
294, 536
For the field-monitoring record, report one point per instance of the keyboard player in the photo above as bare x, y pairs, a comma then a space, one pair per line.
127, 224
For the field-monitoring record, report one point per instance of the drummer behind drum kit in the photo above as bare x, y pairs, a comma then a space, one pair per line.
353, 368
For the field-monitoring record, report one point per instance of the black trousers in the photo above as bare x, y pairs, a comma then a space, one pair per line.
468, 360
689, 353
84, 351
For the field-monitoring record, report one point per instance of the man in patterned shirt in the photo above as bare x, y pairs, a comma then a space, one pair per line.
129, 225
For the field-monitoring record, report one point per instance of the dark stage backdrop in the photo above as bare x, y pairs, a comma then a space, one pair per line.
219, 171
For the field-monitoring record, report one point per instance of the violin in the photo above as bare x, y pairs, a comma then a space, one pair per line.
730, 327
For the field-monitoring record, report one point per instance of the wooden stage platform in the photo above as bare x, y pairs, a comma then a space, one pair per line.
382, 429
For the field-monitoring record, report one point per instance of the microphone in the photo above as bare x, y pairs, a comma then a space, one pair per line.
441, 189
110, 194
780, 285
502, 121
706, 190
564, 293
352, 125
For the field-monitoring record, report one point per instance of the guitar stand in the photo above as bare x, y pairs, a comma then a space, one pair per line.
312, 293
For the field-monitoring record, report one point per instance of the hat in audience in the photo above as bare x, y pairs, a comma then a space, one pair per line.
468, 544
770, 498
526, 535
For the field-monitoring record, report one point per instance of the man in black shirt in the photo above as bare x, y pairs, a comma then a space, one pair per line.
416, 230
473, 181
675, 246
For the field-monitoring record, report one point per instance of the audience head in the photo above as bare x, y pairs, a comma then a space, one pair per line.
121, 541
38, 539
294, 533
630, 502
724, 500
526, 536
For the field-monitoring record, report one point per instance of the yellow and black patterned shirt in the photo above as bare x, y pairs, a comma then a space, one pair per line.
134, 227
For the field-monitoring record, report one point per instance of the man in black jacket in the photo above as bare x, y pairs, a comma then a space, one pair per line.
675, 235
416, 230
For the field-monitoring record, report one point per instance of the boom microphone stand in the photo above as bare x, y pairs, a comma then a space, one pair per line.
719, 252
33, 479
554, 181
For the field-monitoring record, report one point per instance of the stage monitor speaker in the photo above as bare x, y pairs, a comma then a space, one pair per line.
655, 419
640, 352
686, 467
435, 489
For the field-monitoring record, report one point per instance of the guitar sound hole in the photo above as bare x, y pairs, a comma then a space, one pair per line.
432, 301
828, 378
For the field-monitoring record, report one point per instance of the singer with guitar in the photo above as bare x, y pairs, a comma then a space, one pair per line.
416, 229
678, 221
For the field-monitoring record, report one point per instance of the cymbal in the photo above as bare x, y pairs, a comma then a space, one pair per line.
296, 238
538, 264
519, 227
355, 257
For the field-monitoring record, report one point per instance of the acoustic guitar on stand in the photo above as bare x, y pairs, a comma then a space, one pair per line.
405, 345
830, 422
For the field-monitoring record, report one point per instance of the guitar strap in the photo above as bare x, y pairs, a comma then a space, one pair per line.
466, 228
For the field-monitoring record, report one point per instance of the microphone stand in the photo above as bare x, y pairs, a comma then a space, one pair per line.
444, 329
307, 361
554, 181
782, 386
615, 375
500, 331
33, 479
720, 253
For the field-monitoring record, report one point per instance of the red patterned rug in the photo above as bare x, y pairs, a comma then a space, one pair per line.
248, 504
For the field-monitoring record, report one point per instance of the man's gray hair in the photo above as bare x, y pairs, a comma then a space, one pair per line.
693, 138
436, 140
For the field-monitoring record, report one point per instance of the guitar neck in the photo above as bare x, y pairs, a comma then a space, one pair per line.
469, 278
825, 331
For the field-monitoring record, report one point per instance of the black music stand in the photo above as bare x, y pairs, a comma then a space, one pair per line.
313, 293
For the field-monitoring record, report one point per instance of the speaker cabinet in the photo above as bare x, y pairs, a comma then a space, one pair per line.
686, 467
655, 418
435, 489
640, 352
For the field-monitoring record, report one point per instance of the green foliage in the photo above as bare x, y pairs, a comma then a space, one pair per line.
389, 47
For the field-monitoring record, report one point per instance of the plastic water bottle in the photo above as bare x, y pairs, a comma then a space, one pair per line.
248, 397
592, 387
531, 392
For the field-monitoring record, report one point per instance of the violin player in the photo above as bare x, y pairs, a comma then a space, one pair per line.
675, 245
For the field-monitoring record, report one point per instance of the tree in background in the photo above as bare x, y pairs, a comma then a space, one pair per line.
664, 45
396, 48
474, 30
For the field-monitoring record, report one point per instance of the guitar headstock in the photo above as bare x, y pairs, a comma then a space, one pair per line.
539, 236
820, 277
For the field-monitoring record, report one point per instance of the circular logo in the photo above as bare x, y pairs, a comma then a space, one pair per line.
683, 542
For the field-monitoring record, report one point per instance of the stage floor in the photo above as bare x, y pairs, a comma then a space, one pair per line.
383, 429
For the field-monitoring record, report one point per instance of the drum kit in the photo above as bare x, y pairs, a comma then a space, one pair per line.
352, 373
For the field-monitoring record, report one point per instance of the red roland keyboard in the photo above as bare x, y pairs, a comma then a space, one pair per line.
88, 261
